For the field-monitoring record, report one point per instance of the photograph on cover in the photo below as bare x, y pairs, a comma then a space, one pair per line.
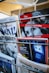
37, 26
35, 30
37, 18
8, 42
38, 50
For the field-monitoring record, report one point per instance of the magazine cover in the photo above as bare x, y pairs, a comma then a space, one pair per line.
7, 64
30, 66
8, 45
35, 49
35, 25
10, 26
24, 49
36, 30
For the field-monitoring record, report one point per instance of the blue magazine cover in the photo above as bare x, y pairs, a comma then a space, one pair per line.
35, 49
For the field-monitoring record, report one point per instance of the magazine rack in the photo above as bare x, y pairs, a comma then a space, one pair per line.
20, 45
22, 64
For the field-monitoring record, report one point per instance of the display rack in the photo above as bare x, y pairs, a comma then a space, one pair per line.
22, 64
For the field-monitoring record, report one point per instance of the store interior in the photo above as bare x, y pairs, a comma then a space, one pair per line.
24, 36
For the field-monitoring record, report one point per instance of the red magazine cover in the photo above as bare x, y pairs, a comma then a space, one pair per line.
36, 30
35, 24
25, 17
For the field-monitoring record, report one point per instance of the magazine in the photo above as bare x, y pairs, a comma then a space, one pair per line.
36, 30
25, 66
7, 64
8, 45
35, 24
10, 26
35, 49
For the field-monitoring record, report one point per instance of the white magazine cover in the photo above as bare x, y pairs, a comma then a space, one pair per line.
7, 64
26, 66
9, 26
8, 45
